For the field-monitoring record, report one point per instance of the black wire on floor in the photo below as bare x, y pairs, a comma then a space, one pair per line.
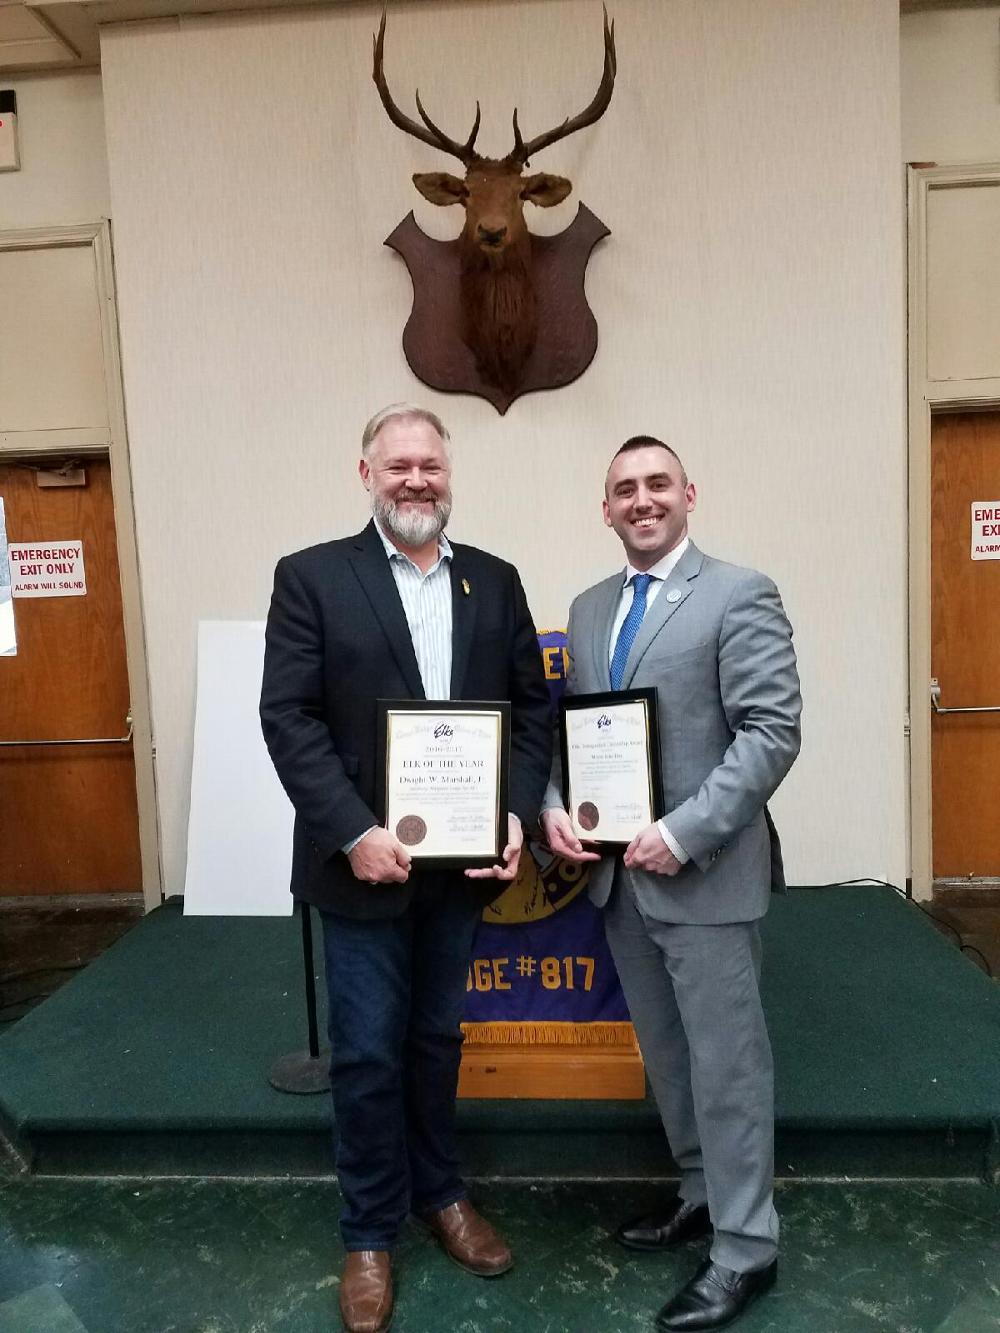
19, 1004
25, 1005
938, 921
40, 972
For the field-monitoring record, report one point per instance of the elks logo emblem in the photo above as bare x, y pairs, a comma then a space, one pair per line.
545, 884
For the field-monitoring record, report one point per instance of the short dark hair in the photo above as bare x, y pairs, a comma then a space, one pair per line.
646, 442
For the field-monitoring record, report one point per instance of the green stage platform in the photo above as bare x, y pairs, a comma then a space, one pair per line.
154, 1060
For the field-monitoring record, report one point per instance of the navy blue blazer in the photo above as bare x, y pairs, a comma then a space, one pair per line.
337, 641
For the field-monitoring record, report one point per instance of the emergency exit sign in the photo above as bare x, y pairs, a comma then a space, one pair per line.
986, 529
47, 569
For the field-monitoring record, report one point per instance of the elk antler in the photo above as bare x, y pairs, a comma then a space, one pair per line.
465, 153
522, 151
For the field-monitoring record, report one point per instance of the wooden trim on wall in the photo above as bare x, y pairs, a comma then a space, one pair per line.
81, 440
925, 397
128, 556
112, 442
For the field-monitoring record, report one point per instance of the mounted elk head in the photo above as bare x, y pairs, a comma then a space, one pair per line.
498, 302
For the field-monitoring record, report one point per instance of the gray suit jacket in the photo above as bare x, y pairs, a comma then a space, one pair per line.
717, 647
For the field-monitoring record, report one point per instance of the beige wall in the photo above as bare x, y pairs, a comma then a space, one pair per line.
950, 75
748, 300
64, 170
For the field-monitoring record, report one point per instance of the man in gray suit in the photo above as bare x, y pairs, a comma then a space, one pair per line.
684, 901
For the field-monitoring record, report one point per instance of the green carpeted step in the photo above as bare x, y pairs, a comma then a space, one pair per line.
161, 1048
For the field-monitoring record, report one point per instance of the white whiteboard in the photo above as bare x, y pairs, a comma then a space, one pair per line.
239, 848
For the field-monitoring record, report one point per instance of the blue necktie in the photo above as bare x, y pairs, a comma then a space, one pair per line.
629, 629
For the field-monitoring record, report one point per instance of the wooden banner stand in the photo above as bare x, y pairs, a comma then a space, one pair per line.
569, 1061
552, 1071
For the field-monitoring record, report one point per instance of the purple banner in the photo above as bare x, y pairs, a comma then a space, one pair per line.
540, 955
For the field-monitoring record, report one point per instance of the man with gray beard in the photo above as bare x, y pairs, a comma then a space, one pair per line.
396, 612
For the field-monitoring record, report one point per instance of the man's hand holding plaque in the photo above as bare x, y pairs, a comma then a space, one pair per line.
648, 851
379, 858
561, 836
506, 868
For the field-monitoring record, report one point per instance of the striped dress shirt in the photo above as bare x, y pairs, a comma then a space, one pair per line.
426, 602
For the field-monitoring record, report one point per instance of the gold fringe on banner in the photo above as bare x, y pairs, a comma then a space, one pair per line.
550, 1034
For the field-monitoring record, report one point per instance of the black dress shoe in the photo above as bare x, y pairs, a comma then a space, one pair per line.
678, 1222
714, 1297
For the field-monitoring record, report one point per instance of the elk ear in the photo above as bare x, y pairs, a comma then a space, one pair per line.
544, 190
438, 187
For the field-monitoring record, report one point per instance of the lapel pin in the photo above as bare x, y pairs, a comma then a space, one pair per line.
674, 595
465, 587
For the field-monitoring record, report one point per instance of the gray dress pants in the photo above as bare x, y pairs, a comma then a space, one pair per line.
692, 991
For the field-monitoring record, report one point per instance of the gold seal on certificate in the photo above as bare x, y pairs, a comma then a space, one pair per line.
611, 763
442, 778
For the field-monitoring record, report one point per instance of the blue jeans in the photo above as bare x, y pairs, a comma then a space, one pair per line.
396, 997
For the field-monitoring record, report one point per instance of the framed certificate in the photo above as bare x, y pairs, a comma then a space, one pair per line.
442, 778
612, 786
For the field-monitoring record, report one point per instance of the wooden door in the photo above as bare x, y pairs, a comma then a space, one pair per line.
965, 644
68, 815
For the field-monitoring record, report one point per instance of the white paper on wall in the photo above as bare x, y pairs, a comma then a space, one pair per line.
240, 823
47, 569
986, 529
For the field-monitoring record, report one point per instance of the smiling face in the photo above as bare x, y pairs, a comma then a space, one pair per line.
647, 499
408, 475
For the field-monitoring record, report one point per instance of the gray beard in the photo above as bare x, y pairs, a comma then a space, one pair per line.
412, 528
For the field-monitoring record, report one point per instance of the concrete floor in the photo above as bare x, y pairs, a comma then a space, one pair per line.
90, 1256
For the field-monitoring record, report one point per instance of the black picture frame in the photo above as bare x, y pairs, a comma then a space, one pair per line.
495, 707
613, 698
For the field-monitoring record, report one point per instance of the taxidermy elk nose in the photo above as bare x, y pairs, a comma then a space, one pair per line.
491, 235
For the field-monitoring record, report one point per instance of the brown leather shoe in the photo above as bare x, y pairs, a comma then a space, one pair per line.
470, 1240
366, 1292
